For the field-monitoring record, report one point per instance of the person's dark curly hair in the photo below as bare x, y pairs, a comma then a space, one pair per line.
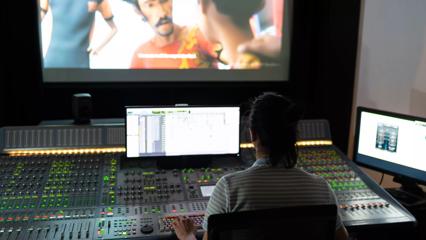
133, 2
239, 10
274, 118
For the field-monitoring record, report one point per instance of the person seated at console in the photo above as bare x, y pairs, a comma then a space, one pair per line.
273, 181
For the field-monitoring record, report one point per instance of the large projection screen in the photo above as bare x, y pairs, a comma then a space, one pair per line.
127, 41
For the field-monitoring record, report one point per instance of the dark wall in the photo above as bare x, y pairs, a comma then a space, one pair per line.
323, 59
20, 72
335, 67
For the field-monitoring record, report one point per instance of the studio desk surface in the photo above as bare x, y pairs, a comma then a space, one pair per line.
95, 195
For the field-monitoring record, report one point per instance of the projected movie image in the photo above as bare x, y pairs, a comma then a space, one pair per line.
160, 34
387, 137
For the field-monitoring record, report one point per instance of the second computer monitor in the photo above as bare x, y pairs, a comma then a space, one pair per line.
182, 131
392, 143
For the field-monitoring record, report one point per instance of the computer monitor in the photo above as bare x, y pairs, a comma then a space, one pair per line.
392, 143
182, 131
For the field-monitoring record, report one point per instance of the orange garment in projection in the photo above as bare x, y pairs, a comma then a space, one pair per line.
189, 50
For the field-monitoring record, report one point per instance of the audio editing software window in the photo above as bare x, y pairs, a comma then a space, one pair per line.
182, 131
393, 140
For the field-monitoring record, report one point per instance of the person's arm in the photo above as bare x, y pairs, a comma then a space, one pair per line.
217, 204
341, 233
44, 8
105, 9
184, 228
267, 46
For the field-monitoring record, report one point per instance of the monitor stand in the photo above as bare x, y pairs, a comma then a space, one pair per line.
409, 194
180, 162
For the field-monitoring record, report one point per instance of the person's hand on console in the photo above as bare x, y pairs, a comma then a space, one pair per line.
184, 228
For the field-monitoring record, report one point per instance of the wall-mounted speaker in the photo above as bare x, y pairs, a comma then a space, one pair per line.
82, 108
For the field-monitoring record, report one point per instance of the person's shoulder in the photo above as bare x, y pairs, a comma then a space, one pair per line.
147, 46
191, 31
137, 59
244, 173
312, 177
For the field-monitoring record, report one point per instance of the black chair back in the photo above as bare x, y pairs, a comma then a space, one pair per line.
297, 222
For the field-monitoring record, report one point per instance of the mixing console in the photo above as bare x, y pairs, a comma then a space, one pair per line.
357, 201
89, 197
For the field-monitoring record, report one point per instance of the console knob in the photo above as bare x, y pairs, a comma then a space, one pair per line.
147, 229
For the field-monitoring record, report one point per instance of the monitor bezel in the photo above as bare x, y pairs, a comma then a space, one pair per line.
361, 109
184, 156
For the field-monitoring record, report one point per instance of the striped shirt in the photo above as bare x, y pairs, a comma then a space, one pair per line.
263, 186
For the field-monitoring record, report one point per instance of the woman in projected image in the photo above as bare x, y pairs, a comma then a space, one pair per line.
228, 23
72, 27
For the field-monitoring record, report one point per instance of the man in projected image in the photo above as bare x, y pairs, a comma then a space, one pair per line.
72, 28
173, 46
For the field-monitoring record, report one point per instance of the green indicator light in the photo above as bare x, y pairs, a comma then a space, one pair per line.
106, 178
